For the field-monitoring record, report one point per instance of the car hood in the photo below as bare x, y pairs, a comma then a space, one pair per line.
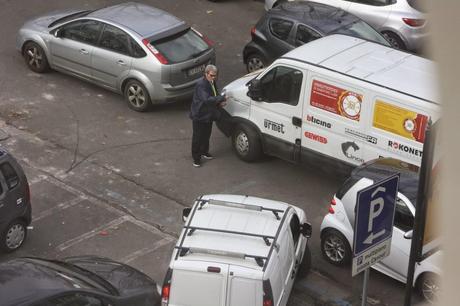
42, 22
123, 277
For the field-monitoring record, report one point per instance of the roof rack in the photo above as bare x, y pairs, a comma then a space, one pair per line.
189, 230
240, 205
260, 260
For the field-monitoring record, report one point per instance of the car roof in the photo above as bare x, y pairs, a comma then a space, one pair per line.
321, 17
221, 217
374, 63
19, 274
143, 19
381, 168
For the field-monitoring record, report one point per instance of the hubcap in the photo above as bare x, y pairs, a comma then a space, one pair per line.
136, 95
242, 143
393, 41
34, 57
15, 236
430, 290
334, 248
254, 64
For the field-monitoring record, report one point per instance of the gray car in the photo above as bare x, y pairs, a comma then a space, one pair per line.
142, 52
402, 22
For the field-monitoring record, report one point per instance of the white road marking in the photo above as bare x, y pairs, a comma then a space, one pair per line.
133, 256
60, 206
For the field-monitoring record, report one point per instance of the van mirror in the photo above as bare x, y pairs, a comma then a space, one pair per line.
408, 235
305, 229
58, 33
255, 90
185, 213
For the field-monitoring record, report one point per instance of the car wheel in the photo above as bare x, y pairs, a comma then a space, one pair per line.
137, 96
246, 143
335, 248
305, 265
255, 62
13, 236
429, 287
35, 57
394, 40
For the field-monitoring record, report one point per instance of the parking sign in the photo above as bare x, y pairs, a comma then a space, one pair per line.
375, 209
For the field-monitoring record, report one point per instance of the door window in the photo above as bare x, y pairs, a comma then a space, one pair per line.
295, 229
404, 220
76, 299
10, 175
304, 35
115, 40
281, 85
86, 31
280, 28
137, 50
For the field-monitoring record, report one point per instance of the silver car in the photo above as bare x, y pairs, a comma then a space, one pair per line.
402, 22
142, 52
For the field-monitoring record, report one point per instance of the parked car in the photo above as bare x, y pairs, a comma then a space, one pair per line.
337, 225
402, 22
15, 208
293, 24
144, 53
82, 280
237, 250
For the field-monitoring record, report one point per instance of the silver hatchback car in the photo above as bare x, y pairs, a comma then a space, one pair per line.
402, 22
142, 52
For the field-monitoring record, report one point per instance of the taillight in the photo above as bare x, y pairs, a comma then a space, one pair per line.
166, 289
333, 203
205, 38
253, 31
414, 22
268, 294
160, 57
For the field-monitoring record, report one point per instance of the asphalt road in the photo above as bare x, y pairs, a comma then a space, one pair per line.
139, 164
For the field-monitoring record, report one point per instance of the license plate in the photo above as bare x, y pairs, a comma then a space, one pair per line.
196, 70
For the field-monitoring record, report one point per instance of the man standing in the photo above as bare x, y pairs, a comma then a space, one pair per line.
205, 102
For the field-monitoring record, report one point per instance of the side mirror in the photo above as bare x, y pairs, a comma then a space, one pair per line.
255, 90
185, 213
408, 235
58, 33
305, 229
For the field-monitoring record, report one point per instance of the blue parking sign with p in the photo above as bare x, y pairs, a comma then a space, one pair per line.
375, 210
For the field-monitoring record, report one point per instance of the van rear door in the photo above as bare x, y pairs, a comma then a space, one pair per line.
242, 290
199, 284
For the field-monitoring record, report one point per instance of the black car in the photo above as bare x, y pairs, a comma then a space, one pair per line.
292, 24
15, 209
74, 281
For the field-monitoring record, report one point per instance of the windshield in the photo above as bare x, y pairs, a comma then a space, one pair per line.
360, 29
69, 17
181, 47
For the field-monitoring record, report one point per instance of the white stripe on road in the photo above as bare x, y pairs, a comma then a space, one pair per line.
133, 256
60, 206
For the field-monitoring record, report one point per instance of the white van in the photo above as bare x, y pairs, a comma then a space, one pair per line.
237, 250
338, 96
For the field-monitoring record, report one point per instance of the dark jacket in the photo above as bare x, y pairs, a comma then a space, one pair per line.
204, 104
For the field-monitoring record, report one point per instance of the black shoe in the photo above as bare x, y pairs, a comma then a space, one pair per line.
196, 164
207, 156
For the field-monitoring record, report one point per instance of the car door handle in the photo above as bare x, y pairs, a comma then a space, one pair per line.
121, 63
84, 51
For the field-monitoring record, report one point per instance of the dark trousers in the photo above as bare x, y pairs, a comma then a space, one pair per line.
200, 139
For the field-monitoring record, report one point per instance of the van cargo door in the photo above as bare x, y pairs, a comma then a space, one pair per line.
244, 291
203, 285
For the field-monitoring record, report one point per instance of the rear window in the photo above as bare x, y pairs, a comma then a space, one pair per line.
181, 47
10, 175
280, 28
361, 29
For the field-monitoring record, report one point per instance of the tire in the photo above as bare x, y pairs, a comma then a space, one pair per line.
246, 143
394, 40
13, 236
255, 62
428, 287
137, 96
335, 248
35, 57
305, 265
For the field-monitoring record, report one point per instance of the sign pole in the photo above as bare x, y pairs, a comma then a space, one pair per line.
365, 282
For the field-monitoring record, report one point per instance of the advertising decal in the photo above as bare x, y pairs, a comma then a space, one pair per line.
400, 121
336, 100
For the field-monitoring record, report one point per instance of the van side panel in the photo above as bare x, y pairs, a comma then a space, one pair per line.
244, 291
